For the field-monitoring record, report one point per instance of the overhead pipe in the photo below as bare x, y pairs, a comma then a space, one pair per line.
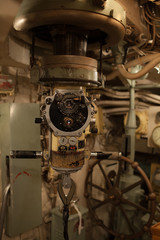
132, 76
153, 60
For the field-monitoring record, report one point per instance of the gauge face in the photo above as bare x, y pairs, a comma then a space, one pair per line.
63, 141
156, 136
68, 113
73, 141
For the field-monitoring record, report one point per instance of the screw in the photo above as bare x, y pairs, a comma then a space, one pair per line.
56, 133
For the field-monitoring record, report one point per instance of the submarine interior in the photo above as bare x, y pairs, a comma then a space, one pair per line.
79, 120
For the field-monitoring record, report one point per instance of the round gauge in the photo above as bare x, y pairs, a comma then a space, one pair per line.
156, 136
63, 141
73, 141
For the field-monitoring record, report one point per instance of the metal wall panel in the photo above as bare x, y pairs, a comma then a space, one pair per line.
20, 133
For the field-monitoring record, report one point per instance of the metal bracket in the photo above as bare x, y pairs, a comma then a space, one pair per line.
66, 199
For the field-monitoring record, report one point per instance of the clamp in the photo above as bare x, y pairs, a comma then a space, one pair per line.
66, 199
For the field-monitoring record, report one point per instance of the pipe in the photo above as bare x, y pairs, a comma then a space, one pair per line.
130, 127
116, 111
112, 103
110, 93
4, 205
135, 62
148, 86
122, 70
143, 86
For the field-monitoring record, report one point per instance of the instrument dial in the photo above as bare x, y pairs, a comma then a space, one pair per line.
156, 136
63, 141
73, 141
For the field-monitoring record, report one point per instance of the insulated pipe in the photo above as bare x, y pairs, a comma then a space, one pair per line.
133, 76
141, 60
4, 204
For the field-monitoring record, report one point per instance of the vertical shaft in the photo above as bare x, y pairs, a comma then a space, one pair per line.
131, 122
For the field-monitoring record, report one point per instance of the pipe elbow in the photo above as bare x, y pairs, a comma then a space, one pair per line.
132, 76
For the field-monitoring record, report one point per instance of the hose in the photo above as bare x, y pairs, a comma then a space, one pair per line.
4, 204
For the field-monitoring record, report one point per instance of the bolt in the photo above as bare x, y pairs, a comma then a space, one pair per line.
55, 133
100, 222
48, 101
122, 236
111, 13
146, 228
135, 164
111, 197
90, 170
152, 196
86, 195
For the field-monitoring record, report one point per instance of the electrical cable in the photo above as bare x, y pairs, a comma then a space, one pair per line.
65, 221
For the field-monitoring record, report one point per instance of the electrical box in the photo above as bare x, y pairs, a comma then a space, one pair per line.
19, 133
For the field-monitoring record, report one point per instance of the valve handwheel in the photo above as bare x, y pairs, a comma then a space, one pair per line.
115, 200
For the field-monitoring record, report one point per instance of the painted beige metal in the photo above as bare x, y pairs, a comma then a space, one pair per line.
133, 12
70, 61
14, 54
110, 20
19, 132
8, 11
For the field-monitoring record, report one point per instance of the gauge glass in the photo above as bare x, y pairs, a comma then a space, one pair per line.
73, 141
156, 136
63, 141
